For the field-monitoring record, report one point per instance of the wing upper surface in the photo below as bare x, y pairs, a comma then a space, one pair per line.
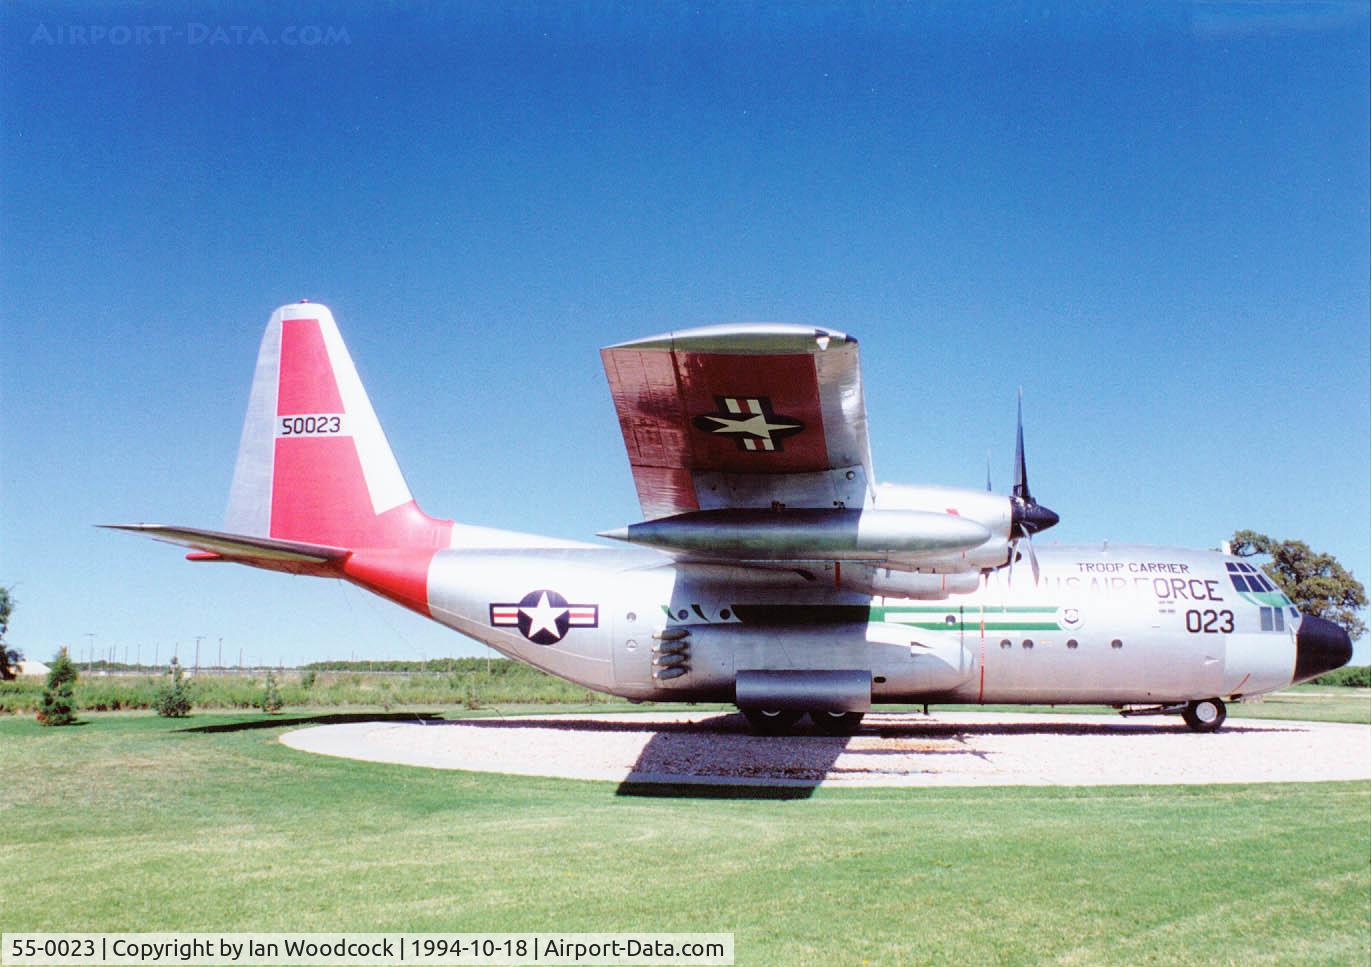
742, 416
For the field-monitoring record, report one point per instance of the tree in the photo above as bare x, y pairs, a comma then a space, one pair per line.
173, 700
8, 656
59, 694
1317, 583
271, 699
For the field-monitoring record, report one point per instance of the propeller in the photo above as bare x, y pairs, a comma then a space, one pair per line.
1027, 515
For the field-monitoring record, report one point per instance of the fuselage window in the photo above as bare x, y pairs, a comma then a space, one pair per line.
1005, 642
1072, 643
1027, 643
1116, 643
1276, 614
1266, 618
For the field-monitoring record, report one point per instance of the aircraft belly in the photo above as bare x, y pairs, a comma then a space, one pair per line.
898, 671
1142, 670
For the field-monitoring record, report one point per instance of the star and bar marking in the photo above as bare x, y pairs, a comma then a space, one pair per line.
757, 427
544, 616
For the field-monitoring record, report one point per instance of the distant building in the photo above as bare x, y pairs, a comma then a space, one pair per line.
31, 669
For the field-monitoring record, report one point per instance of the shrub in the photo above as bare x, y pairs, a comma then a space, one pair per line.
1351, 676
59, 694
271, 698
173, 700
307, 680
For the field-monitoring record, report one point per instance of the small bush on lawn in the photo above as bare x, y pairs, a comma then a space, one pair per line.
59, 696
271, 698
173, 700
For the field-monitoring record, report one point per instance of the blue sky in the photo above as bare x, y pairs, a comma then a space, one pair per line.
1154, 219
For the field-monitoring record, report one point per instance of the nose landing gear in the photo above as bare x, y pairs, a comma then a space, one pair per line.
1204, 715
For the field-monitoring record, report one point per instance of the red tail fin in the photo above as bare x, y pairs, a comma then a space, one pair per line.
313, 463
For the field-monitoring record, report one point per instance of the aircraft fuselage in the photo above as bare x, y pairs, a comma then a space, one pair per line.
1104, 624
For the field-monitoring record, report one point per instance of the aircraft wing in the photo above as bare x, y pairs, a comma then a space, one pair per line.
752, 415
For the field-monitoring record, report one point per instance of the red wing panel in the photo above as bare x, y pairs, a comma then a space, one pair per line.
752, 414
687, 412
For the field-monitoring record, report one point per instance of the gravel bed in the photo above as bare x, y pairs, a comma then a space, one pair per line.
907, 749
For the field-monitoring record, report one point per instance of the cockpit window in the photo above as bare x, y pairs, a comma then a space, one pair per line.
1272, 619
1245, 577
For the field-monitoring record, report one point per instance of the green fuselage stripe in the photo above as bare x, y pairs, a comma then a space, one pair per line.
977, 625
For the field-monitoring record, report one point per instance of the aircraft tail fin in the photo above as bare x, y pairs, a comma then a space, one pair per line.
314, 466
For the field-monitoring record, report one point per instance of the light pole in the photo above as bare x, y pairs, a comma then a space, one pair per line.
198, 639
90, 649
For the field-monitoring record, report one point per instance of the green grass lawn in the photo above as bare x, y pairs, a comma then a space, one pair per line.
131, 822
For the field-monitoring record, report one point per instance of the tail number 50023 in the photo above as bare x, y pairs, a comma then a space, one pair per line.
310, 425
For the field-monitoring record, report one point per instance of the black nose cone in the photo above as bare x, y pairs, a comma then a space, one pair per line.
1321, 646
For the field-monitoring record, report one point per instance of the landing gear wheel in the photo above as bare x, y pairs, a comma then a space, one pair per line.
836, 723
1204, 715
771, 721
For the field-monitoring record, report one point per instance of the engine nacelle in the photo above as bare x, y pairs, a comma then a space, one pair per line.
993, 511
890, 583
810, 534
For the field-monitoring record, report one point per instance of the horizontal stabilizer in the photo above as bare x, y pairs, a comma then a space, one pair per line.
261, 551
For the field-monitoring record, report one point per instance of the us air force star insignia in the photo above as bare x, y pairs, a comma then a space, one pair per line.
753, 421
544, 616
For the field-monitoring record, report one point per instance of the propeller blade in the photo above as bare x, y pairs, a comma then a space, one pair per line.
1027, 515
988, 471
1021, 488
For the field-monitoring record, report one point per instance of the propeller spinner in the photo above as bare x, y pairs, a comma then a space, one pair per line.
1027, 516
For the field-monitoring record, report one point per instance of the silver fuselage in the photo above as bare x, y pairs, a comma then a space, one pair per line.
1104, 624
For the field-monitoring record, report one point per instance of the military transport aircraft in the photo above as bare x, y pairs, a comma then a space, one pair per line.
770, 570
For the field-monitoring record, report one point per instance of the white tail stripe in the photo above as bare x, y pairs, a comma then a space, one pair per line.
385, 484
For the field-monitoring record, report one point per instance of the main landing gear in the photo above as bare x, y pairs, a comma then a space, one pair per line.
766, 721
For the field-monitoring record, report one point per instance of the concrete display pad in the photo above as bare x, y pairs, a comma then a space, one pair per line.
905, 749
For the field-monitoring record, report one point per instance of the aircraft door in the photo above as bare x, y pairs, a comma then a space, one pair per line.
942, 659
